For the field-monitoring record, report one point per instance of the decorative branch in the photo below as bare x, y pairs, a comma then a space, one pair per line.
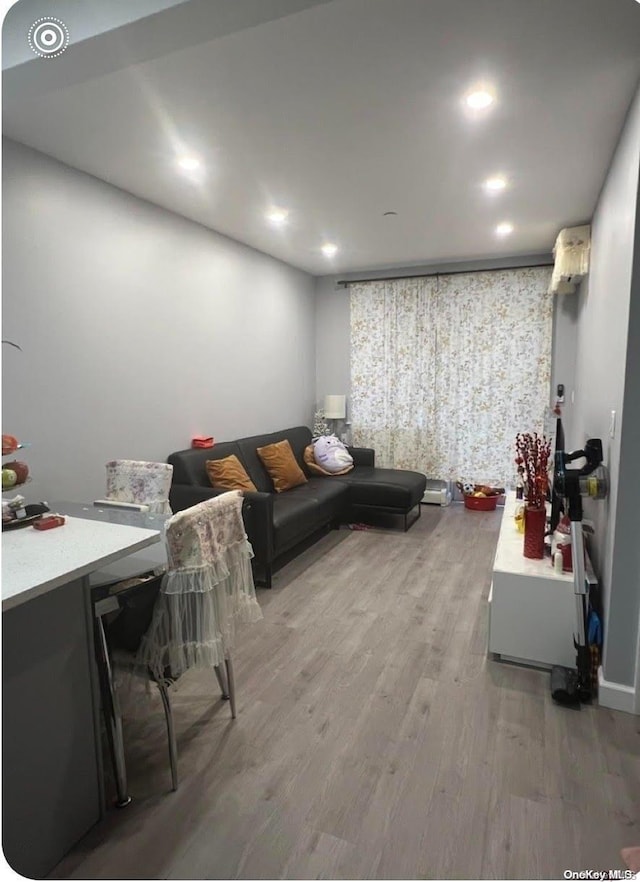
532, 457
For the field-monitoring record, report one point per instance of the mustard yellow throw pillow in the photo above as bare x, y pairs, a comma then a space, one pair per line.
281, 464
228, 474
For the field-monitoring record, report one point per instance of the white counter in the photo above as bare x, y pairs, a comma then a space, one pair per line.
36, 561
51, 750
510, 549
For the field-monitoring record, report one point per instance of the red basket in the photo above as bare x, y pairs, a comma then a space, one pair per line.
481, 503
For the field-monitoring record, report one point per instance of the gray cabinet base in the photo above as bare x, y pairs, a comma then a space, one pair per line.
51, 791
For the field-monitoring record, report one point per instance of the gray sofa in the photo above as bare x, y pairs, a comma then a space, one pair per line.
277, 522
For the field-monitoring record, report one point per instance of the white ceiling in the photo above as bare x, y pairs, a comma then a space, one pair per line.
82, 19
343, 110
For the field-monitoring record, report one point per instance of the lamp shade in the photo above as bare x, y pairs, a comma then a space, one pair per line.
335, 407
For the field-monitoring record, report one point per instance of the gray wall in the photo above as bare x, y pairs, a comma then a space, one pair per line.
139, 329
626, 564
563, 357
608, 339
333, 370
333, 339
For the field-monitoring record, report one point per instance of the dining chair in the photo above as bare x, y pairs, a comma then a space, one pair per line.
207, 591
141, 482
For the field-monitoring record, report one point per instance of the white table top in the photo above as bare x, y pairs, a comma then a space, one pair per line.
35, 561
509, 551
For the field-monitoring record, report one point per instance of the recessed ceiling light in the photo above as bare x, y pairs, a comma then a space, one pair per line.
277, 216
189, 163
495, 184
329, 249
479, 99
504, 229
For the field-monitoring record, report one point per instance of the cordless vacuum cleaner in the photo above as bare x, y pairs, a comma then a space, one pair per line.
573, 686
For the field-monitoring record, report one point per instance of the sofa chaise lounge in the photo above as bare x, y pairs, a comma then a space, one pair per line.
277, 522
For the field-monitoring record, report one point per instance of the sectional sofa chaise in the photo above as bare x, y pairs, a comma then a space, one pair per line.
277, 522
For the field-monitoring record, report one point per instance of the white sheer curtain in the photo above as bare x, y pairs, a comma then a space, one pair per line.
446, 370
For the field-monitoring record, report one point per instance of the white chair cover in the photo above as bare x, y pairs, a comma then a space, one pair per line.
206, 592
147, 483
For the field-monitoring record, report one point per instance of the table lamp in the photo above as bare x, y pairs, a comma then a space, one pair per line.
335, 408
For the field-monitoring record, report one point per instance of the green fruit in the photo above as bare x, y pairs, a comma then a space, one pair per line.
9, 478
20, 468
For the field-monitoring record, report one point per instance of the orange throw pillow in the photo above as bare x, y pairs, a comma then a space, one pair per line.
281, 464
228, 474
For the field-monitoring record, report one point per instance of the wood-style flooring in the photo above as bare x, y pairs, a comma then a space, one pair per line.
375, 738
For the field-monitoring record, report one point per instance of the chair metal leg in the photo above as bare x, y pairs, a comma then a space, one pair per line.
232, 686
222, 682
171, 735
112, 715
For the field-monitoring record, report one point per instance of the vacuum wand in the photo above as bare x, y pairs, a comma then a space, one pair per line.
572, 687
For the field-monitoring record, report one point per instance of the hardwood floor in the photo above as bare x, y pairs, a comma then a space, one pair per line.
374, 737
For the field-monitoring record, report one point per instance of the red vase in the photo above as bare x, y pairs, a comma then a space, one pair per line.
535, 521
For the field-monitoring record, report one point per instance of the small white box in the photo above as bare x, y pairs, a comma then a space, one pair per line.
436, 496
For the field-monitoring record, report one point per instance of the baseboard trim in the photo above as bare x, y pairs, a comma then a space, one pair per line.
616, 696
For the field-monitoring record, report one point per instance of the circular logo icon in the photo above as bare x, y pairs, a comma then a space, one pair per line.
48, 37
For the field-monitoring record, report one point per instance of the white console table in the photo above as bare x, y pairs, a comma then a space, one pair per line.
532, 609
